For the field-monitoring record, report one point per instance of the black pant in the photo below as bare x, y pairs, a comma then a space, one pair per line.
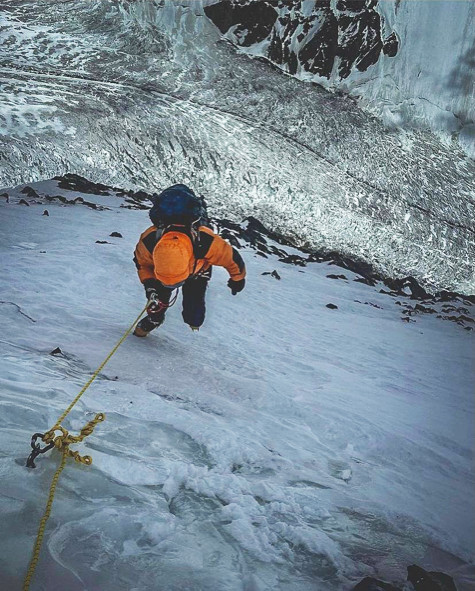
194, 307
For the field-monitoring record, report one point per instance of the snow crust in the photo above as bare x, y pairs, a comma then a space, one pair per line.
284, 446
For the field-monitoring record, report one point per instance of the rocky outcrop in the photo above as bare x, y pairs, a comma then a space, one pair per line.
420, 579
346, 36
423, 580
371, 584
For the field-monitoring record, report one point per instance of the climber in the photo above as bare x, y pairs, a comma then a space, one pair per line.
179, 250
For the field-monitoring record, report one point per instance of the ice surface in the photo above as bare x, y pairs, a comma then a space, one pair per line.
284, 446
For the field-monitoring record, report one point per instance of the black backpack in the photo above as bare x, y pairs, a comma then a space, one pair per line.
178, 205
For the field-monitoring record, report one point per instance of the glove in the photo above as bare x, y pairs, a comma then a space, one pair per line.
155, 307
236, 286
151, 294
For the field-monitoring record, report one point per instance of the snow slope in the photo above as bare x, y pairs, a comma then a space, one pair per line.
285, 446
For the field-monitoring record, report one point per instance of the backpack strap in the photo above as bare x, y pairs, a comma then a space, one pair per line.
201, 241
183, 229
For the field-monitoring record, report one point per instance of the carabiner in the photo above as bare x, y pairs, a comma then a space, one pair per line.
37, 450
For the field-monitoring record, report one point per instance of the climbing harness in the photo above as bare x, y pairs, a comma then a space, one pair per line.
61, 442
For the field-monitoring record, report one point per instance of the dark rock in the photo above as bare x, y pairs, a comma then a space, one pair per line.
139, 195
366, 281
336, 277
136, 199
360, 42
371, 584
29, 192
46, 212
351, 5
350, 31
102, 242
425, 309
231, 238
75, 201
255, 234
356, 265
407, 283
450, 296
23, 202
391, 45
374, 305
423, 580
7, 197
332, 306
61, 198
116, 235
258, 237
74, 182
462, 318
272, 274
319, 53
254, 21
294, 259
57, 351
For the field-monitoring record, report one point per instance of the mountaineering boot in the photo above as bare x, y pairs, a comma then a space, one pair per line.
194, 328
145, 326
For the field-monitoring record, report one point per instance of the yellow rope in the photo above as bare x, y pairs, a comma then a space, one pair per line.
41, 529
62, 443
98, 370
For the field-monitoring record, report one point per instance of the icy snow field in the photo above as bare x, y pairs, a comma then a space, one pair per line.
284, 446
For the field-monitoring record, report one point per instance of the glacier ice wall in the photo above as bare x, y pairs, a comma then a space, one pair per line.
142, 94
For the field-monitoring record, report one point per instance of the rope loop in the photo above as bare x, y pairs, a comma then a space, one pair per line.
65, 439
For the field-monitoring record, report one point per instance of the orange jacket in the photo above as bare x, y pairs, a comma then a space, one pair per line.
209, 249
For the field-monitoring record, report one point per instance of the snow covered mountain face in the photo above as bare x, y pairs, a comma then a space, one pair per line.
348, 45
317, 430
147, 93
